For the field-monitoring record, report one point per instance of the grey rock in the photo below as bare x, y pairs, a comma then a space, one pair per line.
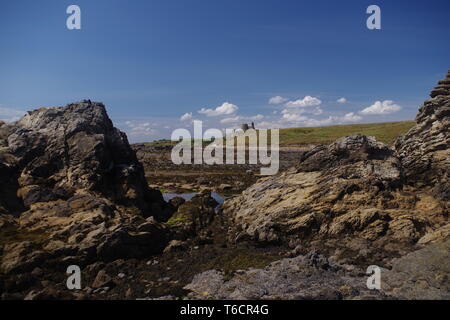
424, 150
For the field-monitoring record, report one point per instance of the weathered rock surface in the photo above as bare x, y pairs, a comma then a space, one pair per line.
63, 151
82, 192
422, 274
356, 198
310, 277
424, 151
193, 217
345, 196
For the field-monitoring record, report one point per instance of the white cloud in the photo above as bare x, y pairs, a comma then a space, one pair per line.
292, 117
350, 117
311, 122
140, 129
268, 125
240, 118
225, 109
381, 108
277, 100
8, 114
307, 101
257, 117
231, 119
186, 116
341, 100
299, 111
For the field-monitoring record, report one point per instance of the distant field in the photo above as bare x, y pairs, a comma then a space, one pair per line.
385, 132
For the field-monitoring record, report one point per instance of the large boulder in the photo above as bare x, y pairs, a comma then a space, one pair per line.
424, 151
346, 199
76, 189
63, 151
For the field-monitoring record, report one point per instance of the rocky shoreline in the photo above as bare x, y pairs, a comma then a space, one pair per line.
74, 192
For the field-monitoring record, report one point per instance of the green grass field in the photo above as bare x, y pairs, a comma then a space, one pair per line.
385, 132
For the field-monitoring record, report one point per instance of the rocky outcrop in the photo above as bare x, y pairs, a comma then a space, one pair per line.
356, 199
83, 194
63, 151
345, 196
424, 151
193, 217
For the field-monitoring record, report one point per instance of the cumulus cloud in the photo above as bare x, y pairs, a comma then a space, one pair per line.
292, 117
268, 125
277, 100
241, 119
307, 101
231, 119
297, 112
225, 109
9, 114
381, 108
186, 116
311, 122
350, 117
341, 100
140, 129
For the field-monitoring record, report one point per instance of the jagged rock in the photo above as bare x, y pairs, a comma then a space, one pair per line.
176, 202
424, 151
61, 151
85, 193
193, 216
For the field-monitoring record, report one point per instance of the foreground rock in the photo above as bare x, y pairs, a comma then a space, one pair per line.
63, 151
423, 274
82, 192
355, 199
310, 277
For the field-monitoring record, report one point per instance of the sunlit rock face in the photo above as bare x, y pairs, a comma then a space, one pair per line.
76, 190
363, 200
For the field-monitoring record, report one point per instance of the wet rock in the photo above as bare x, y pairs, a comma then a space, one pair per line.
176, 202
193, 216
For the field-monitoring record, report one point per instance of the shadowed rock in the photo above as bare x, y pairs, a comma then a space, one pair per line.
424, 150
63, 151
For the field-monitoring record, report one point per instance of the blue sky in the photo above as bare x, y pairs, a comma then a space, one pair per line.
151, 62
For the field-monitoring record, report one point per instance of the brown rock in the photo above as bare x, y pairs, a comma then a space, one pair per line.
102, 280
